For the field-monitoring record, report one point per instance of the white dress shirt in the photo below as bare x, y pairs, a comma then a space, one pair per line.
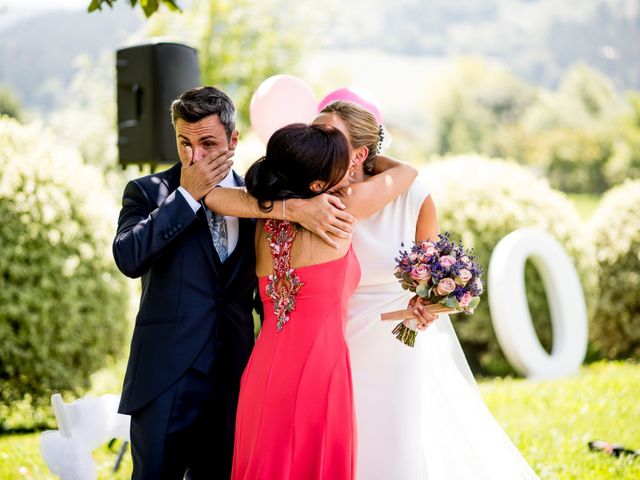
233, 223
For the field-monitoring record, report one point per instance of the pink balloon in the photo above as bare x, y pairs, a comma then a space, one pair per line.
355, 95
281, 100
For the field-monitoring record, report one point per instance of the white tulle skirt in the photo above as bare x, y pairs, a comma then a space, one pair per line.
419, 412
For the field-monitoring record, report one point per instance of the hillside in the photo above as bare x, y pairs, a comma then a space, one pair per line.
37, 53
535, 39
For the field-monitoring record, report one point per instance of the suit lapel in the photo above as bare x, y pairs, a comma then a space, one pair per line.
239, 180
244, 248
171, 177
202, 232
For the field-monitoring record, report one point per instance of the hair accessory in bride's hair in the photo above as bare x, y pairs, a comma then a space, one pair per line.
384, 139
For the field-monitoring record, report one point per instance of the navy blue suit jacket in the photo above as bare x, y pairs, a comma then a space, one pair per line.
189, 301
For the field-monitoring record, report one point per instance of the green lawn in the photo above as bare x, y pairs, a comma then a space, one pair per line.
20, 460
585, 203
550, 422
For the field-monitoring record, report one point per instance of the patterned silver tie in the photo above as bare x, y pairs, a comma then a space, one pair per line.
218, 227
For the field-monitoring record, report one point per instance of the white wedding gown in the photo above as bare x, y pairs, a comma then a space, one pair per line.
419, 413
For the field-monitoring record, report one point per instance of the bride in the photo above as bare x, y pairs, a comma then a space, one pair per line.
419, 413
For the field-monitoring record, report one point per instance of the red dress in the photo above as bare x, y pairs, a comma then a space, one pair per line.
295, 412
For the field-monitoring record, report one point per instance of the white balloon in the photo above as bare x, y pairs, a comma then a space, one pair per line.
510, 312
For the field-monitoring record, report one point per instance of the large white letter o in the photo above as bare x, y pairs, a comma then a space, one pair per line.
510, 311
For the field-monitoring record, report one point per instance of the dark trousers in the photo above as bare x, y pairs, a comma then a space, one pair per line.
187, 432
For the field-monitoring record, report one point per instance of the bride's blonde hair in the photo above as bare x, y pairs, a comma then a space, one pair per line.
362, 127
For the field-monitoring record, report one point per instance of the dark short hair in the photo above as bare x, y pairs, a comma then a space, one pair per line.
297, 155
198, 103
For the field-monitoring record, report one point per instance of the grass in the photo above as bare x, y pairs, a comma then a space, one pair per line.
549, 421
20, 460
585, 203
552, 421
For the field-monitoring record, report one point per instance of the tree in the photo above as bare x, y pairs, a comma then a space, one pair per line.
591, 93
240, 43
579, 132
149, 7
9, 104
624, 162
480, 109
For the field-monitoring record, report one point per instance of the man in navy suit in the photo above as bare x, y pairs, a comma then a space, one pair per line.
194, 330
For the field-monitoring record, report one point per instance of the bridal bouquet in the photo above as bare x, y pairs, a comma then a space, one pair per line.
441, 273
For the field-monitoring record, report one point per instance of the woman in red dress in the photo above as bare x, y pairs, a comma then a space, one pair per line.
295, 415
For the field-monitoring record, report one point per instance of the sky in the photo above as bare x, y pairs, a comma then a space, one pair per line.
13, 10
29, 4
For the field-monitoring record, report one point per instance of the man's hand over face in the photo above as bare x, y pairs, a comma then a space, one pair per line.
198, 177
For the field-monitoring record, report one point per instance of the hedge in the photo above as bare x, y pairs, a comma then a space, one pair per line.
479, 201
63, 304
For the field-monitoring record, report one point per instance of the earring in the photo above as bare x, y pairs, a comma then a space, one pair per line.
352, 167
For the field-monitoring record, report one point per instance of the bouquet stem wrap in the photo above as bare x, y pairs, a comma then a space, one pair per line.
436, 309
406, 331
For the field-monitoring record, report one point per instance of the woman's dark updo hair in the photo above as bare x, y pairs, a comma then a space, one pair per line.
297, 155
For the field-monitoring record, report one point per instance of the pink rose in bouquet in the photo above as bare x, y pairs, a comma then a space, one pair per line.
445, 286
420, 273
465, 300
447, 260
463, 277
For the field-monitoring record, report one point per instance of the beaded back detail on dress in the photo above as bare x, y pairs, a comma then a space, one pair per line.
284, 283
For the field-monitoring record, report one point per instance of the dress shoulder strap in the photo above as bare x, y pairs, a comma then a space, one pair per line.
284, 284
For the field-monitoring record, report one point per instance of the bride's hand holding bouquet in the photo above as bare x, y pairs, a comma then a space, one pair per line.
444, 277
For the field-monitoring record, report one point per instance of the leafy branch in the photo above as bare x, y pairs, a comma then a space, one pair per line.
148, 6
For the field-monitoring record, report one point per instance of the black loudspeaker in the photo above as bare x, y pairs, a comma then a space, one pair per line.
149, 78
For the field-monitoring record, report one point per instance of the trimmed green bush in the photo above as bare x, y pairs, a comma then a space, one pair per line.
615, 326
480, 201
63, 304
